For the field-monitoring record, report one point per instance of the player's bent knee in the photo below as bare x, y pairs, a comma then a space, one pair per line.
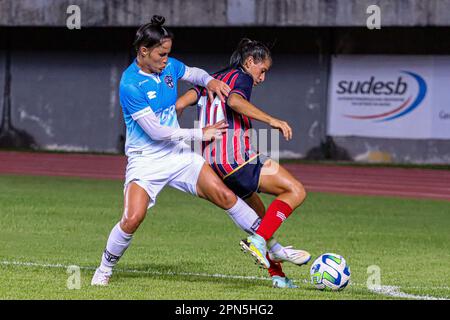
298, 192
132, 221
226, 198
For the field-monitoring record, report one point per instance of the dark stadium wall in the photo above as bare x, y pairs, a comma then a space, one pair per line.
64, 84
64, 89
225, 13
68, 101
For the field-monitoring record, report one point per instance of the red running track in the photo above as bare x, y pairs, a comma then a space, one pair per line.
398, 182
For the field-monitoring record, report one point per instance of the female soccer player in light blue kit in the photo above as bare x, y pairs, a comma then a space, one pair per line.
157, 153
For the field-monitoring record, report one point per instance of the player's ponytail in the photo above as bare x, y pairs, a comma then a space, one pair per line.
249, 48
152, 33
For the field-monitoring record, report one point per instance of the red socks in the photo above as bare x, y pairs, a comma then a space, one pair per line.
275, 268
277, 212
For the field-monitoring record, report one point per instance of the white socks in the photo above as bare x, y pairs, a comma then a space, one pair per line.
247, 219
118, 242
244, 216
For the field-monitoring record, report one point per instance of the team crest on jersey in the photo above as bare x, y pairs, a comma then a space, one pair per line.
169, 81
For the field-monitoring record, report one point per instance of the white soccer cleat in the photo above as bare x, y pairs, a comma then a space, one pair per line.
100, 278
295, 256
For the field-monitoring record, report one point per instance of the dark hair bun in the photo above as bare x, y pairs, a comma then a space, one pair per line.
157, 20
244, 42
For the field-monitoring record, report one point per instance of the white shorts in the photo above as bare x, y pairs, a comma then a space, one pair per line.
179, 169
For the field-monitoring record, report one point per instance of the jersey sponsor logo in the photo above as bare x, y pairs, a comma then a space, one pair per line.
169, 81
166, 115
151, 95
142, 82
141, 113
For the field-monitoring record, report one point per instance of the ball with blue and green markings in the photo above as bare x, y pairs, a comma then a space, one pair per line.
330, 272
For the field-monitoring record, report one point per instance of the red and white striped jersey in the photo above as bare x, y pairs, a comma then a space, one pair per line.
234, 149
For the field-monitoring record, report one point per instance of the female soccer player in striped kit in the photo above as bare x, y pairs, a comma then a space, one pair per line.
244, 170
155, 147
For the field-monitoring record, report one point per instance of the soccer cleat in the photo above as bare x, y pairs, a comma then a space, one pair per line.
256, 246
100, 278
283, 282
295, 256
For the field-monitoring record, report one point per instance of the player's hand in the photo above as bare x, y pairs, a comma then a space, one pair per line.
218, 87
215, 131
283, 126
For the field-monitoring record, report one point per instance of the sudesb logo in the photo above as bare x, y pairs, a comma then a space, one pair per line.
371, 86
388, 88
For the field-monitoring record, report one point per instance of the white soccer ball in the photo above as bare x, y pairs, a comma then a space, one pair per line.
330, 272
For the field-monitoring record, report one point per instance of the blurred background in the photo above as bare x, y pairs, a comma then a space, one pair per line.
349, 92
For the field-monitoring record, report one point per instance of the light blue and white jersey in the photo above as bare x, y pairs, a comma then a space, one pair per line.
141, 92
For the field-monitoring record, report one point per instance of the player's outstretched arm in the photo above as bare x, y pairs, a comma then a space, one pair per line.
244, 107
186, 100
148, 121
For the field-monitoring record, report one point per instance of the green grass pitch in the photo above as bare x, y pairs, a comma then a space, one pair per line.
189, 249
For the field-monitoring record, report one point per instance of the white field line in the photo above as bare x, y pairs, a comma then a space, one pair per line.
168, 273
392, 291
